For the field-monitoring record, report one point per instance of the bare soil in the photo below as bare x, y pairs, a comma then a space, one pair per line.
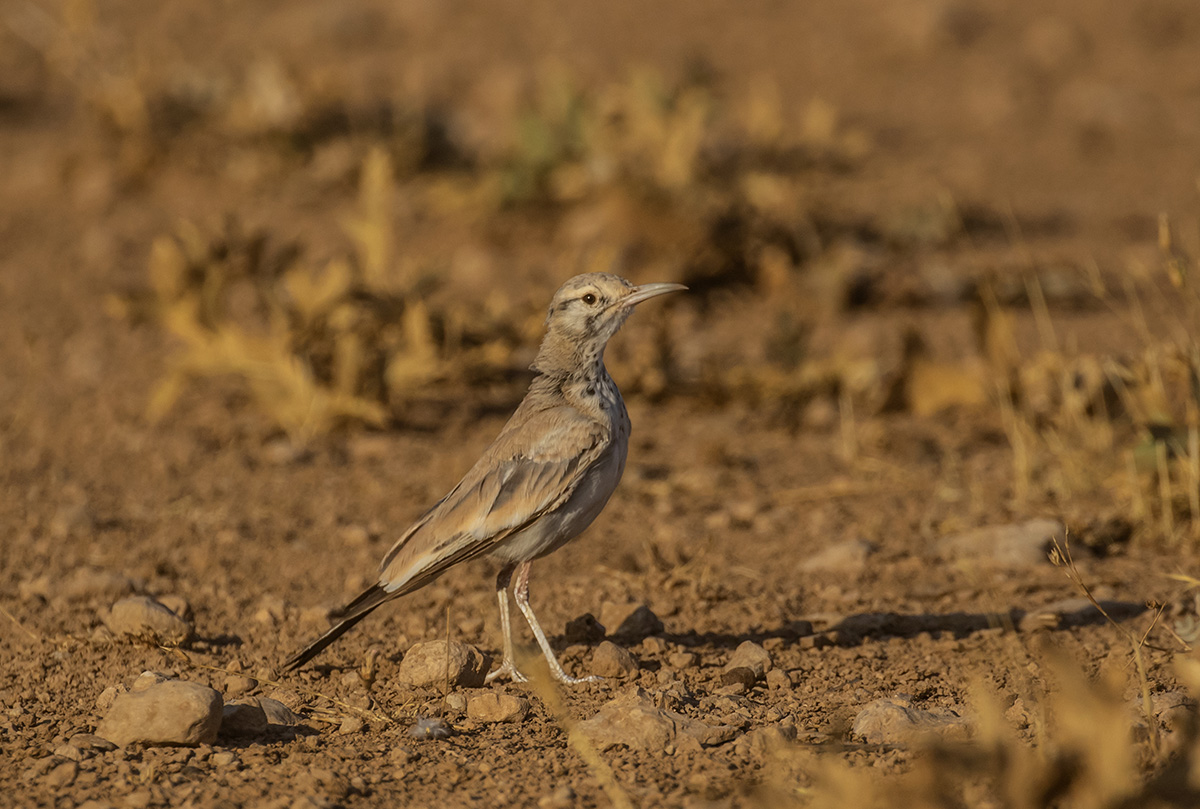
1072, 131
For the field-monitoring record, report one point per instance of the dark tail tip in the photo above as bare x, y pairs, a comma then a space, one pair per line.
351, 614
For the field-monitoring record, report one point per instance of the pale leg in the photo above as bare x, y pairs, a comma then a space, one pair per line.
507, 667
521, 596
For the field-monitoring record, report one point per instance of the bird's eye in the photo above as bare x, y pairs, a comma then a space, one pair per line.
589, 299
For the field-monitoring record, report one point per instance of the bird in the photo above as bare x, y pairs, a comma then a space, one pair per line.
542, 481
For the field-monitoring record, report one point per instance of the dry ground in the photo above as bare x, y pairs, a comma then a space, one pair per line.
923, 156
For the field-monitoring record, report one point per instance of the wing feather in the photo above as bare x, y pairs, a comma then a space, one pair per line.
532, 468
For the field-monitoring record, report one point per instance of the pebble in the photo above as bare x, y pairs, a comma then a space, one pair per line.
238, 684
492, 706
223, 758
894, 720
147, 679
777, 679
739, 675
425, 664
175, 712
750, 655
561, 798
62, 774
633, 720
91, 742
630, 620
611, 660
584, 629
1023, 544
682, 660
105, 700
351, 725
144, 619
243, 719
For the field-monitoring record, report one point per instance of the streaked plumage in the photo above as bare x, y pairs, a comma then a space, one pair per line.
543, 480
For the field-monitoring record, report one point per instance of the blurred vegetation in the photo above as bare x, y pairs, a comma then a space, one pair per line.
736, 197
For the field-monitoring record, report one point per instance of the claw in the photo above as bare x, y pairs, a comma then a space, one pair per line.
507, 669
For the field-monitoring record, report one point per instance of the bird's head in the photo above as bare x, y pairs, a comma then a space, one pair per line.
585, 313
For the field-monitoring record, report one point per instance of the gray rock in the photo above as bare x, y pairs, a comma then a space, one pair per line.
144, 619
492, 706
91, 743
610, 660
426, 664
846, 556
1016, 545
243, 719
109, 695
739, 675
630, 620
276, 712
584, 629
175, 712
635, 721
750, 655
683, 660
894, 720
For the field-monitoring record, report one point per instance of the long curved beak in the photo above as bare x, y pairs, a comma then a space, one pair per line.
647, 291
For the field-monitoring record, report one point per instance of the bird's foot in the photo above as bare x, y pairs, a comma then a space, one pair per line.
507, 669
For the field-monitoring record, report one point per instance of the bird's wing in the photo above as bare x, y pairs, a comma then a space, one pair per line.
532, 468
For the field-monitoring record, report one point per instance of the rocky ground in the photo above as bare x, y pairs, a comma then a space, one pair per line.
935, 314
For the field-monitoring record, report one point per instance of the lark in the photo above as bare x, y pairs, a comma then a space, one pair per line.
540, 484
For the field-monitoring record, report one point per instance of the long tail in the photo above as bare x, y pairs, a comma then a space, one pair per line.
351, 614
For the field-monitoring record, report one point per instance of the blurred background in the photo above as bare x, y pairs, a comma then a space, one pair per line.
271, 275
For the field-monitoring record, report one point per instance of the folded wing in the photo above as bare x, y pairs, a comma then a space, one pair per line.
532, 468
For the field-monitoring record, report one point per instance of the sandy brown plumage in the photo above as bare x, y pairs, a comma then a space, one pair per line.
541, 482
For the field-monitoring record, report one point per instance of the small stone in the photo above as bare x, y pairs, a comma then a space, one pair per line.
148, 679
894, 720
243, 719
1015, 545
167, 713
144, 619
425, 664
739, 675
849, 556
90, 742
351, 725
277, 713
634, 721
61, 774
67, 751
630, 620
178, 605
492, 706
768, 740
105, 700
654, 645
238, 684
777, 680
611, 660
584, 629
682, 660
751, 656
456, 701
223, 759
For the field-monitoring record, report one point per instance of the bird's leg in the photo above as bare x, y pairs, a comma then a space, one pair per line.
521, 596
507, 667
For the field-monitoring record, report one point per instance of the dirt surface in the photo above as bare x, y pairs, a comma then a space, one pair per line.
1055, 141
